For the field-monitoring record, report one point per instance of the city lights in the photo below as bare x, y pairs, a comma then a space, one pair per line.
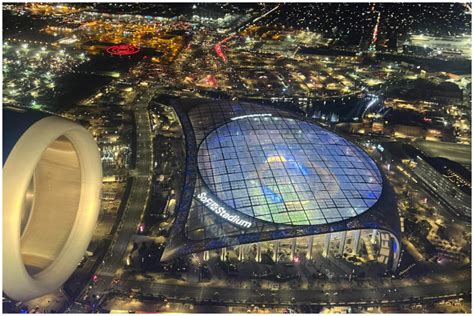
235, 157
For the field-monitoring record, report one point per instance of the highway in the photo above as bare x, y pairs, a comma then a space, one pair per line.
136, 204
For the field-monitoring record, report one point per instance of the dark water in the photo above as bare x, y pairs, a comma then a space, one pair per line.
72, 88
88, 79
105, 63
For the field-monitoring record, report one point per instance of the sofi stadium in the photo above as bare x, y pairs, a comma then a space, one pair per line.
263, 183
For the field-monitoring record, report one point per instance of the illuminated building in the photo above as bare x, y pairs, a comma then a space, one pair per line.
458, 46
52, 178
262, 182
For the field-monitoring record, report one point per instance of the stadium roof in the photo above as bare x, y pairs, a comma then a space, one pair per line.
287, 171
257, 173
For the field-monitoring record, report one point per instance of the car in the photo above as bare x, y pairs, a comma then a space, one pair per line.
82, 262
136, 289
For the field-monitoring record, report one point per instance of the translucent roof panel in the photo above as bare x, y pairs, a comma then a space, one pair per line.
288, 171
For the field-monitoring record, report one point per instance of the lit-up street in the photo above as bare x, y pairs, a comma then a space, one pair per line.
137, 201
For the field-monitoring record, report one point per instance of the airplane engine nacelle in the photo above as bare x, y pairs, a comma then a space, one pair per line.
52, 178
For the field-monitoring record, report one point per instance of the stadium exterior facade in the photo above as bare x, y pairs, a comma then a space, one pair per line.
266, 184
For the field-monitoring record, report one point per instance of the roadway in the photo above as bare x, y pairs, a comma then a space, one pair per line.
136, 204
356, 294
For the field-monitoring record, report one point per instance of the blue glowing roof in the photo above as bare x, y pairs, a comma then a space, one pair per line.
288, 171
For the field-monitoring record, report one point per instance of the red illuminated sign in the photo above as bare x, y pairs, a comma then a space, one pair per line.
122, 50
